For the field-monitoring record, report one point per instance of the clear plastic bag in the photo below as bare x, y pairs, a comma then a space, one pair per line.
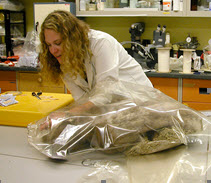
135, 120
11, 5
28, 53
107, 172
146, 126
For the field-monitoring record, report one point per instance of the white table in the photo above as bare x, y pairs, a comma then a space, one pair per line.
20, 162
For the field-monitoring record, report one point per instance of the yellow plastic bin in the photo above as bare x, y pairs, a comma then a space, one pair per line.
30, 108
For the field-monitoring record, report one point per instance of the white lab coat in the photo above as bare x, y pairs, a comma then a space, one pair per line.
109, 59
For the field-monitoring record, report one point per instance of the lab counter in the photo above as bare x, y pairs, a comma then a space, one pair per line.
172, 74
7, 68
176, 74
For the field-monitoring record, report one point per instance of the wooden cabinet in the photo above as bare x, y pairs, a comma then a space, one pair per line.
185, 11
169, 86
196, 93
7, 81
198, 12
33, 81
129, 11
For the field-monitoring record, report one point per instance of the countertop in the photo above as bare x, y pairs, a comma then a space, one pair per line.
176, 74
7, 68
172, 74
20, 162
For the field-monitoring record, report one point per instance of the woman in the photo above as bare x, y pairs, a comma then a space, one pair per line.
83, 57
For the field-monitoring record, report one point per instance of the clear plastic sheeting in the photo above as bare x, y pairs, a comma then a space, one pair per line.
137, 121
29, 52
107, 172
134, 120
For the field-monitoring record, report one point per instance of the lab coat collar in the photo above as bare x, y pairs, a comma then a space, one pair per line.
81, 83
90, 71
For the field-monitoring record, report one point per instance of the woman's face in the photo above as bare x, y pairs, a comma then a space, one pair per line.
54, 42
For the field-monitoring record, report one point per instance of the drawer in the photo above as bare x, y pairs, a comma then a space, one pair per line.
7, 81
169, 86
198, 105
196, 90
7, 76
8, 85
28, 81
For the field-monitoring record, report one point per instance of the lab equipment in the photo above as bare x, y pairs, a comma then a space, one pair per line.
189, 43
187, 60
141, 53
163, 59
159, 36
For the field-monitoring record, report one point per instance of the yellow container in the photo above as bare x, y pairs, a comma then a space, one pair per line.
30, 108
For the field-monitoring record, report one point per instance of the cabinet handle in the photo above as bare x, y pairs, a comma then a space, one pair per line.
206, 91
39, 80
189, 85
36, 26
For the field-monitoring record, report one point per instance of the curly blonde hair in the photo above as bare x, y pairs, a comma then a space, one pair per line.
75, 45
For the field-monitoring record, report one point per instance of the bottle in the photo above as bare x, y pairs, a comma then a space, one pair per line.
100, 5
82, 5
176, 5
181, 5
92, 5
194, 4
167, 5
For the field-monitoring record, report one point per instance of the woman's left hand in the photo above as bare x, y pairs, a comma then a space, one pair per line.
51, 119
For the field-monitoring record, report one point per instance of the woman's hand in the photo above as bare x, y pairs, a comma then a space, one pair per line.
51, 120
55, 117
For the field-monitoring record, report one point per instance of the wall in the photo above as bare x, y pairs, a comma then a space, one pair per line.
179, 27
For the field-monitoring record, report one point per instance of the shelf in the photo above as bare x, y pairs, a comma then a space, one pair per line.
17, 22
135, 12
199, 13
128, 12
9, 21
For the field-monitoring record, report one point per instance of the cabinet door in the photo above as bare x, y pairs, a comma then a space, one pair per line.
169, 86
196, 90
196, 94
198, 105
41, 10
198, 8
7, 81
29, 81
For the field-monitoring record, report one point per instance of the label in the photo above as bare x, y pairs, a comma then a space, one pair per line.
166, 5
